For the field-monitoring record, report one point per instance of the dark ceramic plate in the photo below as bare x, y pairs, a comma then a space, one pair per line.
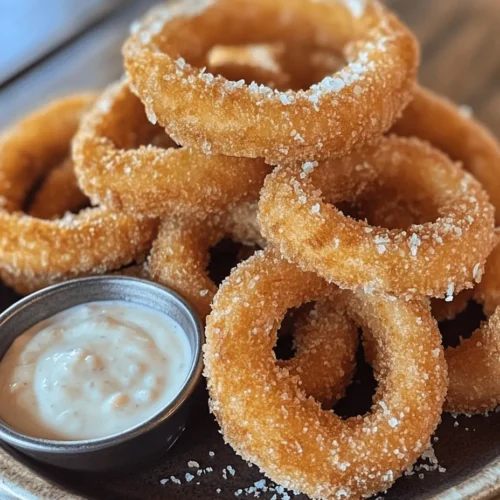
451, 31
468, 448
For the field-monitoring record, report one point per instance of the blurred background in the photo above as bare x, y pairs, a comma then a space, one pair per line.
53, 47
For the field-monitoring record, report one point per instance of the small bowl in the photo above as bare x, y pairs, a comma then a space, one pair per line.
141, 443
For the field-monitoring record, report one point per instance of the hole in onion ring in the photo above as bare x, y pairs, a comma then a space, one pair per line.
463, 325
279, 65
225, 255
143, 132
358, 399
390, 206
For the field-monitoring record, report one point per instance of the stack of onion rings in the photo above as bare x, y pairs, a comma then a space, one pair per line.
165, 67
214, 90
35, 253
355, 255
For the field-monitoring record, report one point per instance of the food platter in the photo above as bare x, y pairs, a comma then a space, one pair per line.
467, 447
200, 465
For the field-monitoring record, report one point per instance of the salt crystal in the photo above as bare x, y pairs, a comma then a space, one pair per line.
393, 422
356, 7
151, 115
285, 99
193, 463
477, 273
449, 292
309, 166
414, 242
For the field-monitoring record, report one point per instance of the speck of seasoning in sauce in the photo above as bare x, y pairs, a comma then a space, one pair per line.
93, 352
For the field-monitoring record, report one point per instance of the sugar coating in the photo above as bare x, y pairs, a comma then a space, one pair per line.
35, 253
137, 168
425, 258
382, 66
341, 462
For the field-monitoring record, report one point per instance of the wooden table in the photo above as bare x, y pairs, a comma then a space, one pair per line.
460, 51
460, 56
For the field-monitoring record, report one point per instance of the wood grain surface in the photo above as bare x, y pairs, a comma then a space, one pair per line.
460, 50
461, 59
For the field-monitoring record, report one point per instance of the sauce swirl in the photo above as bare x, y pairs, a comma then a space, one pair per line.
92, 371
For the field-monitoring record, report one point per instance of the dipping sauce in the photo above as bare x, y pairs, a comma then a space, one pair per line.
92, 371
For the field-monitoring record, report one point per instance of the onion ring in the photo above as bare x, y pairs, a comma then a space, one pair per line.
35, 253
268, 420
180, 254
438, 121
325, 343
425, 259
165, 56
473, 366
59, 193
115, 170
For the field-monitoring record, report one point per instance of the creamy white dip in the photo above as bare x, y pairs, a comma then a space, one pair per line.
93, 371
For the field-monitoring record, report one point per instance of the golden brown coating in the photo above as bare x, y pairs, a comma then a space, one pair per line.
118, 166
266, 417
166, 56
436, 119
35, 253
35, 145
180, 254
474, 366
325, 342
58, 193
474, 370
427, 258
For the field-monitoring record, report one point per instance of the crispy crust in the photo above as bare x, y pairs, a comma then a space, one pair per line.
35, 253
474, 366
437, 120
426, 259
115, 168
267, 418
165, 56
